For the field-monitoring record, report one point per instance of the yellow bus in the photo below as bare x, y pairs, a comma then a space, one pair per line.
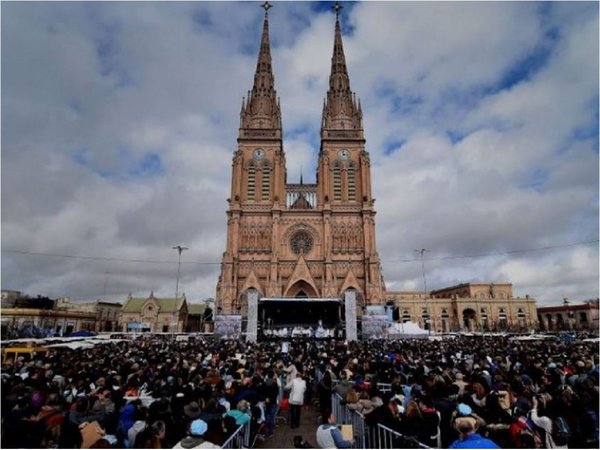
26, 348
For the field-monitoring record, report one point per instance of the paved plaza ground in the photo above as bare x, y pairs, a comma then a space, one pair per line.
284, 435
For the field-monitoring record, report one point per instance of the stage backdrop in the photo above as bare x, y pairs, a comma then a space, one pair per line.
228, 326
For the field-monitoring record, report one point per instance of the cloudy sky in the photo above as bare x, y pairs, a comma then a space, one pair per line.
119, 122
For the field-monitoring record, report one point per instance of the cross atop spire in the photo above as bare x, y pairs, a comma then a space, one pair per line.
266, 6
337, 8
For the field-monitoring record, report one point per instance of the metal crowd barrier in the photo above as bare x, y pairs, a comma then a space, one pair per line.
384, 437
384, 387
240, 438
370, 437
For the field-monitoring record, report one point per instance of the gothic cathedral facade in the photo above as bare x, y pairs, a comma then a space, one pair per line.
300, 240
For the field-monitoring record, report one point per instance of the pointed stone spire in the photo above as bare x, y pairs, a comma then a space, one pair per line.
340, 111
261, 110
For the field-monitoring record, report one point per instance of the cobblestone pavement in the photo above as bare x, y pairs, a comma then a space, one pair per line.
284, 435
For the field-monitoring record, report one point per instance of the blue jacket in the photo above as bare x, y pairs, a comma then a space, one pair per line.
474, 440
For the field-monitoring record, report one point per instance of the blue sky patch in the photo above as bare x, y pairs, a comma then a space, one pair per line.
201, 19
455, 136
536, 180
150, 166
393, 146
525, 68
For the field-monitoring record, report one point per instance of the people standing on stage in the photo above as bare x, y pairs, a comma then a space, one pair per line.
297, 389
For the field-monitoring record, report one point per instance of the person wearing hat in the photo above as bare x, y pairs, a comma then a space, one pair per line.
195, 437
192, 410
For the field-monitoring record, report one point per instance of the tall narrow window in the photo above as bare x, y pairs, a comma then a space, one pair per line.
251, 181
266, 182
351, 184
337, 183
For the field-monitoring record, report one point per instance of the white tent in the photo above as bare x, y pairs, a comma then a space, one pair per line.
407, 329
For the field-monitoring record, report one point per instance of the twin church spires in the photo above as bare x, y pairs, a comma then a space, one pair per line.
299, 240
261, 109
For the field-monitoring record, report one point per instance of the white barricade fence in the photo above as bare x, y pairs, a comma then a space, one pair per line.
240, 438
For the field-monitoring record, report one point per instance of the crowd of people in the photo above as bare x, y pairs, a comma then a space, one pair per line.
156, 392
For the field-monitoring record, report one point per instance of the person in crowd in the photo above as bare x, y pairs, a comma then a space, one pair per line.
151, 436
195, 437
469, 438
271, 390
241, 413
543, 422
324, 390
141, 417
329, 435
44, 400
297, 388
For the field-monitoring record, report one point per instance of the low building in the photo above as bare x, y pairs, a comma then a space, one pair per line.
466, 307
107, 313
195, 318
9, 298
154, 315
568, 316
38, 322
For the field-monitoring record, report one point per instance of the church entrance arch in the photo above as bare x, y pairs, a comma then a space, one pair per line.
301, 289
469, 319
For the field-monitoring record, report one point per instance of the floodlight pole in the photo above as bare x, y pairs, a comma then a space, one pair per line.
421, 252
179, 249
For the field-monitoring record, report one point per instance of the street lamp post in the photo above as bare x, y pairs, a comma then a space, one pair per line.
179, 249
421, 252
566, 304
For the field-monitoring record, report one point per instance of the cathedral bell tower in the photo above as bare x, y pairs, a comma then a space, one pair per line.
258, 176
344, 172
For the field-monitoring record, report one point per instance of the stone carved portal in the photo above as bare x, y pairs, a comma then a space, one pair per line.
301, 289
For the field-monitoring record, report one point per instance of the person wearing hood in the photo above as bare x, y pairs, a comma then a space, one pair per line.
195, 437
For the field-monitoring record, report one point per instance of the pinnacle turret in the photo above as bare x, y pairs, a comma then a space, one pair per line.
261, 110
340, 110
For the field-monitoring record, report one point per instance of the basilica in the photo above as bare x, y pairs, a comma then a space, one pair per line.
307, 253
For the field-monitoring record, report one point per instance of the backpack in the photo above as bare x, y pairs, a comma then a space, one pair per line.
529, 435
560, 431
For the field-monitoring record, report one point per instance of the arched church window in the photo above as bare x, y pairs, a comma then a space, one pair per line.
266, 181
251, 181
337, 183
351, 184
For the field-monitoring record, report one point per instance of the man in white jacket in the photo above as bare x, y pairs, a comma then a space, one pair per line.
297, 389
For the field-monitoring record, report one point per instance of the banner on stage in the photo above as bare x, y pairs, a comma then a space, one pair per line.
375, 326
228, 326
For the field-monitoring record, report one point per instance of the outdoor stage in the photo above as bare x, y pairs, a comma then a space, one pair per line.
289, 317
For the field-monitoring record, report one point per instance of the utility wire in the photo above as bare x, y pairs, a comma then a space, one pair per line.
440, 258
508, 252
